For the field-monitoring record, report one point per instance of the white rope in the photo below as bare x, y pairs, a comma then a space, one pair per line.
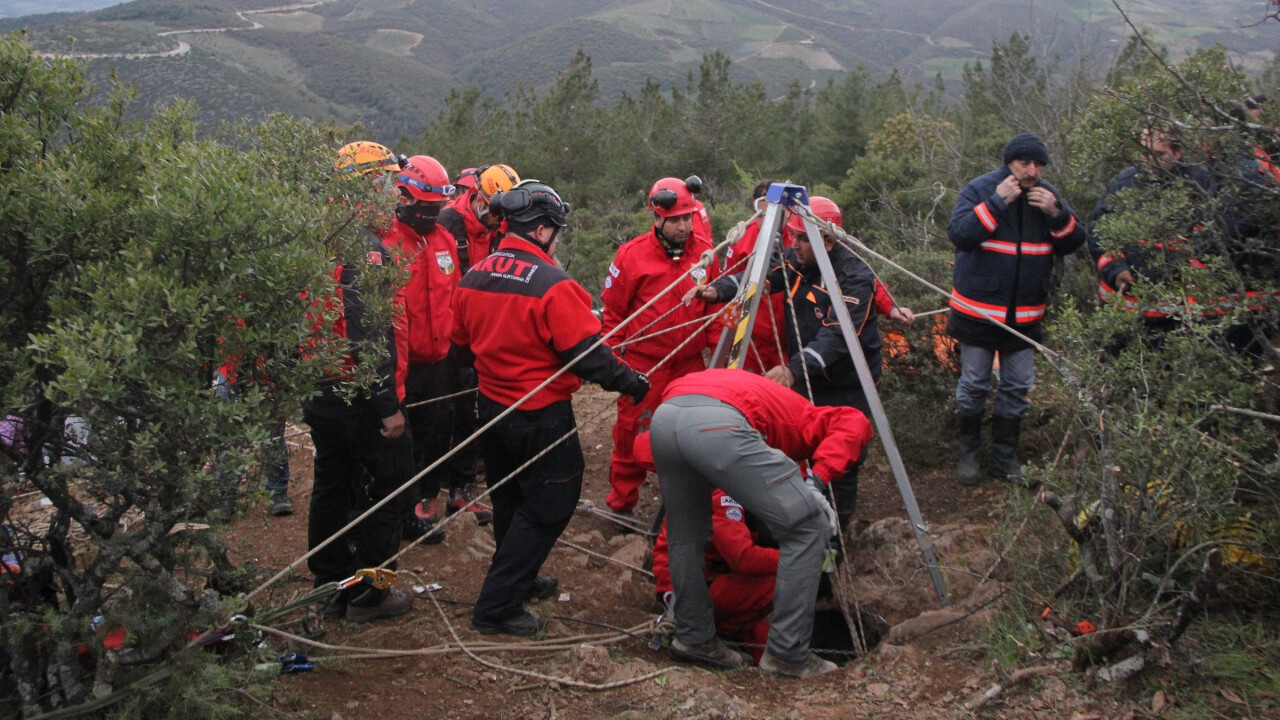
703, 262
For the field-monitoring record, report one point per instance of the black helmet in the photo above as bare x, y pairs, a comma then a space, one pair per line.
528, 201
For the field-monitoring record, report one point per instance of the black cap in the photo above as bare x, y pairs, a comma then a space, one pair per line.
1025, 146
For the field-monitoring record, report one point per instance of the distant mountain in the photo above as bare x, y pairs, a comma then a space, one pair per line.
18, 8
391, 63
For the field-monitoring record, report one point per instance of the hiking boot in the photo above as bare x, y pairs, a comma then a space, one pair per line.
969, 469
811, 666
415, 527
458, 499
524, 625
544, 586
392, 604
281, 504
712, 652
1004, 448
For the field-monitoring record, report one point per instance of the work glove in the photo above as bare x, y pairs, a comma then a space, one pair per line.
819, 490
639, 388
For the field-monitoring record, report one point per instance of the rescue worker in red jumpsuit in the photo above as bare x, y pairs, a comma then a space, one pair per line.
432, 259
767, 341
463, 182
475, 230
359, 442
741, 574
768, 334
643, 268
744, 434
819, 365
520, 319
467, 217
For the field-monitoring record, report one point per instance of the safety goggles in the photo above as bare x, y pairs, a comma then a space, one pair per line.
425, 187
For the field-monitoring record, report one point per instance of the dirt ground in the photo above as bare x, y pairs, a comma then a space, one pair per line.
928, 667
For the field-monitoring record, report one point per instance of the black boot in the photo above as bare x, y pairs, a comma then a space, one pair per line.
1004, 448
970, 470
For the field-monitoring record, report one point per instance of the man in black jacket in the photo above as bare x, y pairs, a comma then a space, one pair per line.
1006, 228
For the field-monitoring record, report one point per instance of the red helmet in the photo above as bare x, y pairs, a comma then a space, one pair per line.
670, 197
824, 208
424, 178
466, 179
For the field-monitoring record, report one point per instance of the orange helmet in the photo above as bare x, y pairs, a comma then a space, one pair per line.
824, 208
424, 178
492, 179
362, 157
670, 197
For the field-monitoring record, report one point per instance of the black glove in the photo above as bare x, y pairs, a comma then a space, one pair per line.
639, 388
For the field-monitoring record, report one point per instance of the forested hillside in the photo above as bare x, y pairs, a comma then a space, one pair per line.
389, 63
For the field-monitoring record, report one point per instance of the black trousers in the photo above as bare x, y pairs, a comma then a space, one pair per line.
436, 428
534, 507
432, 423
350, 451
844, 488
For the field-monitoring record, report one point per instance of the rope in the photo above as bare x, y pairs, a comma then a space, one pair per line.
856, 246
539, 676
442, 398
1067, 370
703, 262
592, 553
641, 338
617, 518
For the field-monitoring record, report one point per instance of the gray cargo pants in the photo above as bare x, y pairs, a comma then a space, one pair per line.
699, 443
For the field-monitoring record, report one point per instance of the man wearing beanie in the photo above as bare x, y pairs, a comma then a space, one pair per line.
1006, 228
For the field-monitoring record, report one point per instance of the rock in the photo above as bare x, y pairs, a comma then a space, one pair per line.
890, 573
634, 551
712, 704
591, 663
914, 628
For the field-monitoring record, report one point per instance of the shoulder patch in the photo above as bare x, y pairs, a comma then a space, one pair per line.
373, 257
734, 514
608, 282
726, 501
613, 270
444, 260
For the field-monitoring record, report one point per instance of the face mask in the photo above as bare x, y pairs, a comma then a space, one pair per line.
419, 216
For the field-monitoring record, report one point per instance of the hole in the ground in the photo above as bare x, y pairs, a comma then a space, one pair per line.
832, 639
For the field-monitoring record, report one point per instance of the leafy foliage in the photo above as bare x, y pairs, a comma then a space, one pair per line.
137, 259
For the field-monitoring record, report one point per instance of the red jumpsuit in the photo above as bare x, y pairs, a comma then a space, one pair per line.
741, 574
640, 271
427, 297
475, 240
426, 320
767, 337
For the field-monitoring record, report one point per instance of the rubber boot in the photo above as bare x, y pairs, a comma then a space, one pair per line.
1004, 448
970, 469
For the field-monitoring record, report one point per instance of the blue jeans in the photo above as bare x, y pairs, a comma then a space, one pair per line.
1017, 377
